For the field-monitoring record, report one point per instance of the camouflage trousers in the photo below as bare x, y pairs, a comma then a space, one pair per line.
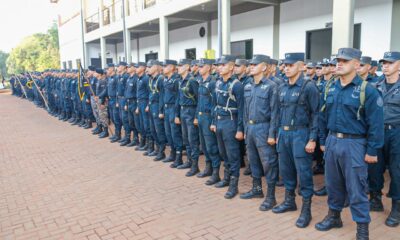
95, 109
103, 115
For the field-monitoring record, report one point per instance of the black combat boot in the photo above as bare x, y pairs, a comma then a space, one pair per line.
233, 188
225, 181
88, 124
117, 136
270, 200
255, 192
207, 171
76, 121
332, 220
104, 134
142, 145
362, 231
133, 143
82, 123
194, 169
305, 216
214, 177
98, 131
187, 164
321, 192
171, 157
150, 147
247, 171
375, 202
394, 217
160, 153
288, 205
96, 128
178, 160
72, 118
155, 151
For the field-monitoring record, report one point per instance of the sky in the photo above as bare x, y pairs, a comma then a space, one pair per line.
21, 18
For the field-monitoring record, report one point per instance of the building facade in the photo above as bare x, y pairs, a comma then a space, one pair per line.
95, 32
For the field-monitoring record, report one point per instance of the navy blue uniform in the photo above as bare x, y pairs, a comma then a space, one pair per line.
156, 124
142, 95
131, 104
123, 115
112, 103
349, 140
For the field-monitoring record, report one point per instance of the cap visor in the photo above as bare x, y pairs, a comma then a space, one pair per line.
387, 60
343, 57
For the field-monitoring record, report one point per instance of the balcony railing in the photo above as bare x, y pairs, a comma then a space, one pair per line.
92, 22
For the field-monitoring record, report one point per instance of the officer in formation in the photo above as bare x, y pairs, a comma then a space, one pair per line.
284, 117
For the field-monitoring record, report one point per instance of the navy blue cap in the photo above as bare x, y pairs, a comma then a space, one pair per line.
132, 65
184, 62
291, 58
348, 54
100, 71
153, 62
217, 61
260, 58
194, 62
123, 64
170, 62
319, 65
226, 59
140, 64
241, 62
92, 68
374, 63
311, 65
273, 61
205, 61
333, 60
325, 62
365, 60
390, 57
110, 65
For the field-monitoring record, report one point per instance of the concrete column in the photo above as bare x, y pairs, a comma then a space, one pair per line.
226, 26
343, 24
101, 13
103, 52
209, 35
275, 31
128, 47
164, 41
395, 33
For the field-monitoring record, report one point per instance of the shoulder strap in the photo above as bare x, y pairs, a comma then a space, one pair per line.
362, 98
326, 91
303, 86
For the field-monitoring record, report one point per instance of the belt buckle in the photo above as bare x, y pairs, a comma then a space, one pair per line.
286, 128
200, 113
219, 117
251, 122
166, 105
389, 127
339, 135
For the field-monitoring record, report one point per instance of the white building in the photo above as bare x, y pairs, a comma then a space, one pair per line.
177, 29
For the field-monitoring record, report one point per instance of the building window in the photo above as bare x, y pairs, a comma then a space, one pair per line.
319, 42
69, 64
151, 56
64, 65
148, 3
242, 49
190, 53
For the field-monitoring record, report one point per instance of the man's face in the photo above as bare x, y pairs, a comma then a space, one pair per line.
346, 67
390, 68
152, 70
203, 70
226, 68
325, 70
140, 70
318, 71
373, 70
291, 70
256, 69
310, 71
183, 69
194, 68
110, 71
363, 69
131, 70
239, 69
121, 69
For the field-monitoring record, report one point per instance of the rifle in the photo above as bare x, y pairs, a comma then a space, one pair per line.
22, 87
41, 94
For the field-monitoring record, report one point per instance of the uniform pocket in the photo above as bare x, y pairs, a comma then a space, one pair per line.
299, 144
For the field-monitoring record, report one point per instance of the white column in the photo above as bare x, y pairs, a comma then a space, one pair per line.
226, 26
101, 13
343, 24
128, 47
395, 33
103, 52
276, 29
164, 42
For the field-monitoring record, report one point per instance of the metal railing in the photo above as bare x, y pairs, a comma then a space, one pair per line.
92, 22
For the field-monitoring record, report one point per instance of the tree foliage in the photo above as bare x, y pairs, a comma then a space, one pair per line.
3, 59
37, 52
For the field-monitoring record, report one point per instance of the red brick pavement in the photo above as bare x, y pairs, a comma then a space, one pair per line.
60, 182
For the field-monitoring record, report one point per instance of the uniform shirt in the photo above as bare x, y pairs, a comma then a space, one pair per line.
130, 87
277, 80
188, 91
169, 92
142, 92
93, 83
112, 86
391, 101
262, 105
74, 89
225, 105
301, 112
101, 90
121, 83
340, 114
155, 85
206, 95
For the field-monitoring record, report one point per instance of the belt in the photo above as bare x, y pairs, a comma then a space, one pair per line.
252, 122
169, 105
188, 106
391, 126
292, 128
204, 113
131, 100
344, 135
219, 117
120, 96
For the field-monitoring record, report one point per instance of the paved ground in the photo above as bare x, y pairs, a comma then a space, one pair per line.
60, 182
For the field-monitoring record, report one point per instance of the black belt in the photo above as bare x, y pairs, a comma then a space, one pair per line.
391, 126
234, 116
188, 106
169, 105
204, 113
131, 100
252, 122
292, 128
345, 135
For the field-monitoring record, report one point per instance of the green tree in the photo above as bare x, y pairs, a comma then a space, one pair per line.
36, 53
3, 67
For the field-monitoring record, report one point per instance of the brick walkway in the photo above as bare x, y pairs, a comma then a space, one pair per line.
60, 182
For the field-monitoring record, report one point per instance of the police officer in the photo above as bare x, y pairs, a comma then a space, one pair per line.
374, 68
142, 94
187, 100
228, 123
123, 114
260, 118
241, 66
131, 104
311, 71
101, 100
353, 121
93, 83
365, 67
389, 155
205, 115
298, 104
169, 108
156, 123
113, 108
